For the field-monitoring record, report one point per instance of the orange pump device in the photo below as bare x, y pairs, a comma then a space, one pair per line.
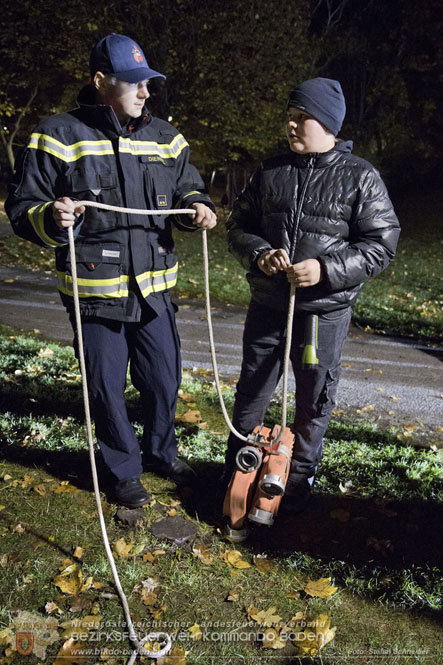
258, 484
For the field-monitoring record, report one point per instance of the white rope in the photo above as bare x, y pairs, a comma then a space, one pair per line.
211, 340
134, 211
213, 355
287, 356
164, 638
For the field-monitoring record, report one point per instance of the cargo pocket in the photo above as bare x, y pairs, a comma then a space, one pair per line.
101, 271
163, 275
101, 187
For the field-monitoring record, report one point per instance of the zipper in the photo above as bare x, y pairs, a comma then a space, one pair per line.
300, 205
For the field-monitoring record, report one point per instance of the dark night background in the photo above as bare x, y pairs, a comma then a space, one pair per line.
230, 65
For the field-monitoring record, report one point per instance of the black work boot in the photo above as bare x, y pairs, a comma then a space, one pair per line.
131, 493
177, 471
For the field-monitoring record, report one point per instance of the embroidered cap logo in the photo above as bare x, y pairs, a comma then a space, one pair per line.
136, 54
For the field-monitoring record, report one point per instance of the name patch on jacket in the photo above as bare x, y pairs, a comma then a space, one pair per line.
162, 201
115, 253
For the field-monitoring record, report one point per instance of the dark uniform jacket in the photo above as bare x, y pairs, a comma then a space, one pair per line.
329, 206
123, 260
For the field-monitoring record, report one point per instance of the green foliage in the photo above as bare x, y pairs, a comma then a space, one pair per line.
230, 89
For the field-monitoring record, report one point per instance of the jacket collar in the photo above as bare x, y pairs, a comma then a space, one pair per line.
321, 159
104, 118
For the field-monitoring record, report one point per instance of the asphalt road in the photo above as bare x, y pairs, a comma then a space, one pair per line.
385, 379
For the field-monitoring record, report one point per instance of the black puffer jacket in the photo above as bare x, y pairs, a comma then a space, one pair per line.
331, 206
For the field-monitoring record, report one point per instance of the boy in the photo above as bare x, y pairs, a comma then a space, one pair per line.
320, 218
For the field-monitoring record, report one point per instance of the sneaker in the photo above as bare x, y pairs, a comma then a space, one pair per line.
131, 493
177, 471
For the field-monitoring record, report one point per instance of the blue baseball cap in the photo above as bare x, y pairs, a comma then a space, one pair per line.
122, 57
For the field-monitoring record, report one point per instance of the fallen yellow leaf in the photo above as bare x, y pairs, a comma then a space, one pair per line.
122, 548
196, 632
148, 596
186, 397
74, 627
320, 588
45, 353
266, 617
71, 653
51, 607
175, 657
189, 417
311, 640
203, 552
263, 564
70, 579
233, 557
251, 610
271, 639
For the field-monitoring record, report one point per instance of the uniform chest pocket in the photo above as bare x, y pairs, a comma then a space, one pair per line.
101, 270
159, 175
101, 187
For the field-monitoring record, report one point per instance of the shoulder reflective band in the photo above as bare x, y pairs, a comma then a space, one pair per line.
152, 148
69, 153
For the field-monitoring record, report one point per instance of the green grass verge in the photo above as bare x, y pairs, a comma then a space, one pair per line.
373, 528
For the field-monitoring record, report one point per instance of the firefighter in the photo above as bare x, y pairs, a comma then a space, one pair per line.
320, 218
111, 150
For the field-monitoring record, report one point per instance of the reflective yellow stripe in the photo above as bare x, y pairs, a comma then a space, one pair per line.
151, 281
152, 148
73, 152
69, 153
191, 194
157, 280
36, 216
178, 218
116, 287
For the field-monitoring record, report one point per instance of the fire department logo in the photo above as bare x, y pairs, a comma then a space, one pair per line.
161, 200
136, 54
24, 643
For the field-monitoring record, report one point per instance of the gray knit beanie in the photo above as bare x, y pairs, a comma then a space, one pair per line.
323, 99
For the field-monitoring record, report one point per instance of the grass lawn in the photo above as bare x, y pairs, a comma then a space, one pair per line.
372, 533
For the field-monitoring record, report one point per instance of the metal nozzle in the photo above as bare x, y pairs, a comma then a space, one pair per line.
272, 485
248, 459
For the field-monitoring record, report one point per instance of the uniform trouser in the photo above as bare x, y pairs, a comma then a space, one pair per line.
151, 347
263, 352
